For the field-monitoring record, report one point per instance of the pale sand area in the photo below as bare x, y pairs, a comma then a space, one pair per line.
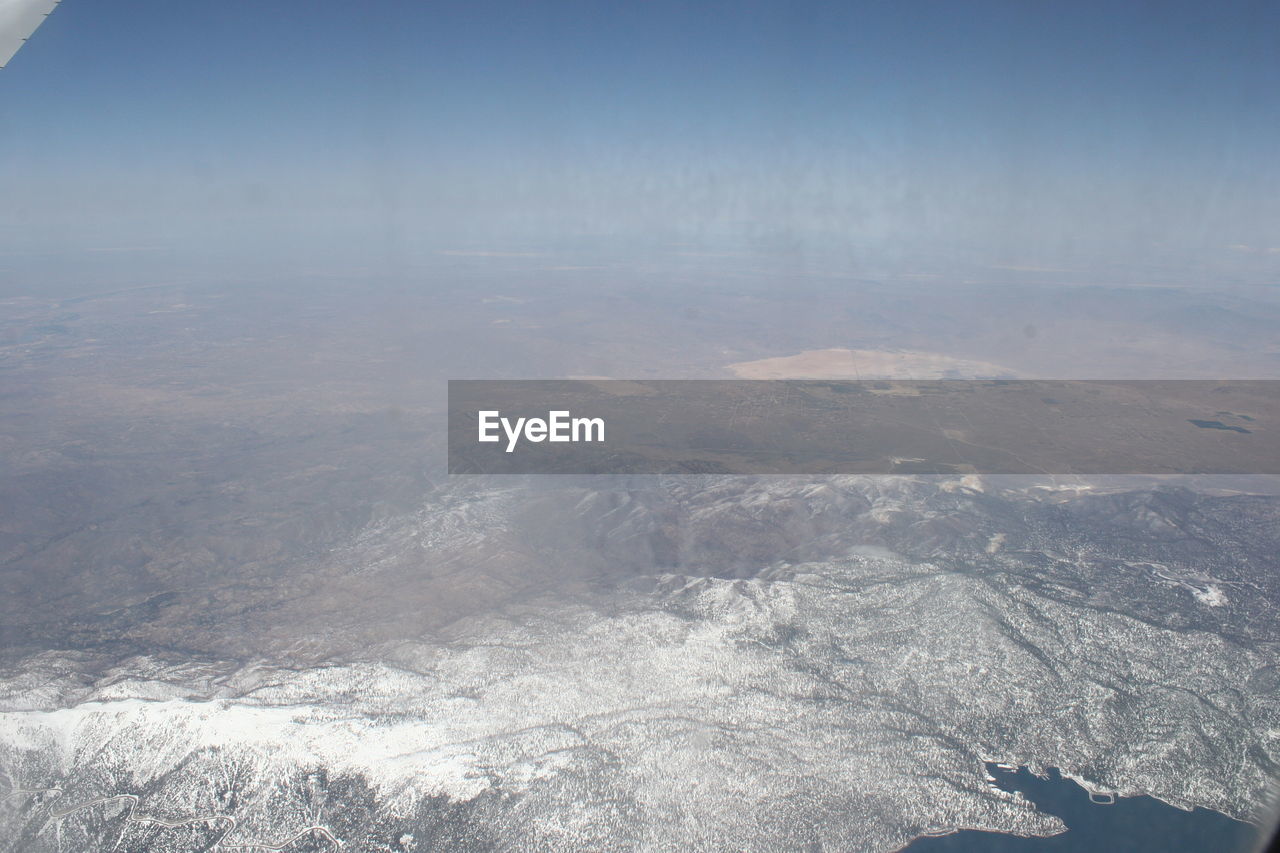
869, 364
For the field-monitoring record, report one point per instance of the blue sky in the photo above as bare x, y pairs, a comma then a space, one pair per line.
1095, 135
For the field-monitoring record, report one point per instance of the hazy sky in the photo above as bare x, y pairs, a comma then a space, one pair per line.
1021, 133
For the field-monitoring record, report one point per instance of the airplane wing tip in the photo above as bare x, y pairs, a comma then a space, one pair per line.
18, 20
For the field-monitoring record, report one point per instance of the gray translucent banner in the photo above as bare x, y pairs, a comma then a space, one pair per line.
864, 427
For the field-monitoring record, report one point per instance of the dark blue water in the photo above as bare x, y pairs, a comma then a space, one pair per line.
1130, 824
1218, 425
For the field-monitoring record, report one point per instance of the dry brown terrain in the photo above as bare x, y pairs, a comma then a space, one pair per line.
838, 363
